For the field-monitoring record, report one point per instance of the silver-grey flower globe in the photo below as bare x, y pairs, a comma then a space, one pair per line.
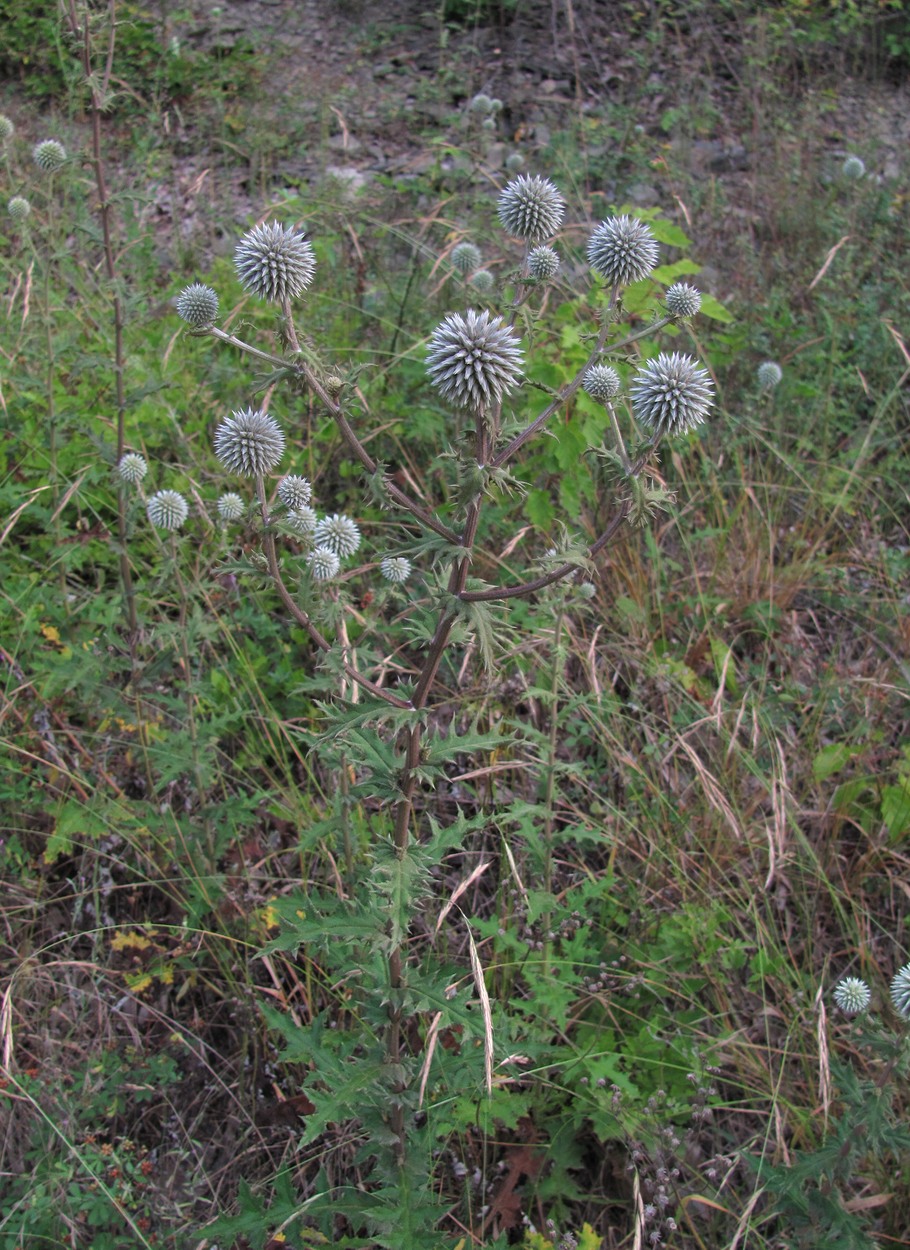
466, 257
230, 507
324, 564
7, 129
49, 155
769, 374
671, 394
274, 262
483, 281
601, 382
249, 443
302, 521
474, 360
197, 305
167, 510
900, 992
622, 250
19, 208
338, 533
395, 569
852, 995
853, 167
683, 301
543, 263
295, 492
531, 208
132, 468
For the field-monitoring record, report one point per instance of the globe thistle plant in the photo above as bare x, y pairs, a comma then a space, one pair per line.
514, 162
274, 262
395, 569
852, 996
900, 992
671, 394
167, 510
601, 382
622, 250
230, 507
295, 492
483, 281
197, 305
19, 208
853, 167
481, 103
683, 301
466, 257
474, 360
769, 374
49, 155
324, 564
249, 443
543, 263
132, 468
7, 129
337, 533
302, 521
531, 208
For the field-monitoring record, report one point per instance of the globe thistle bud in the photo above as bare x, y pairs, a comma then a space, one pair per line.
496, 105
7, 129
483, 281
514, 162
587, 590
671, 394
489, 123
19, 208
338, 533
853, 167
531, 208
852, 996
167, 510
395, 568
295, 492
324, 564
543, 263
769, 375
622, 250
481, 103
900, 992
466, 257
230, 507
334, 384
473, 359
302, 521
274, 263
683, 301
49, 155
249, 443
132, 468
197, 305
601, 382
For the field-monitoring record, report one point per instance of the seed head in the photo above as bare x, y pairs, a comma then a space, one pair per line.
338, 533
230, 507
473, 359
395, 568
197, 305
167, 510
852, 996
7, 129
482, 281
900, 992
295, 492
622, 250
531, 208
671, 394
132, 468
324, 564
543, 263
274, 263
466, 257
49, 155
853, 167
18, 208
683, 301
601, 383
249, 443
769, 375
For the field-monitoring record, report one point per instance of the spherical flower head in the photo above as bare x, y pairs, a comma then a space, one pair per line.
473, 359
302, 521
601, 383
338, 533
481, 104
531, 208
132, 468
587, 590
489, 123
683, 301
324, 564
274, 263
295, 492
853, 167
197, 305
7, 129
543, 263
230, 507
852, 996
395, 569
671, 394
167, 510
514, 162
19, 208
769, 375
249, 443
483, 281
49, 155
622, 250
900, 992
466, 257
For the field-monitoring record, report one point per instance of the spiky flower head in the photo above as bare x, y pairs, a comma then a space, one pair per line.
531, 208
683, 301
274, 262
481, 103
197, 305
482, 281
852, 996
514, 162
295, 492
167, 510
769, 375
587, 590
601, 382
900, 992
671, 394
395, 568
302, 521
230, 507
466, 257
473, 359
622, 250
853, 167
132, 468
489, 123
49, 155
249, 443
543, 263
324, 564
18, 208
7, 129
338, 533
